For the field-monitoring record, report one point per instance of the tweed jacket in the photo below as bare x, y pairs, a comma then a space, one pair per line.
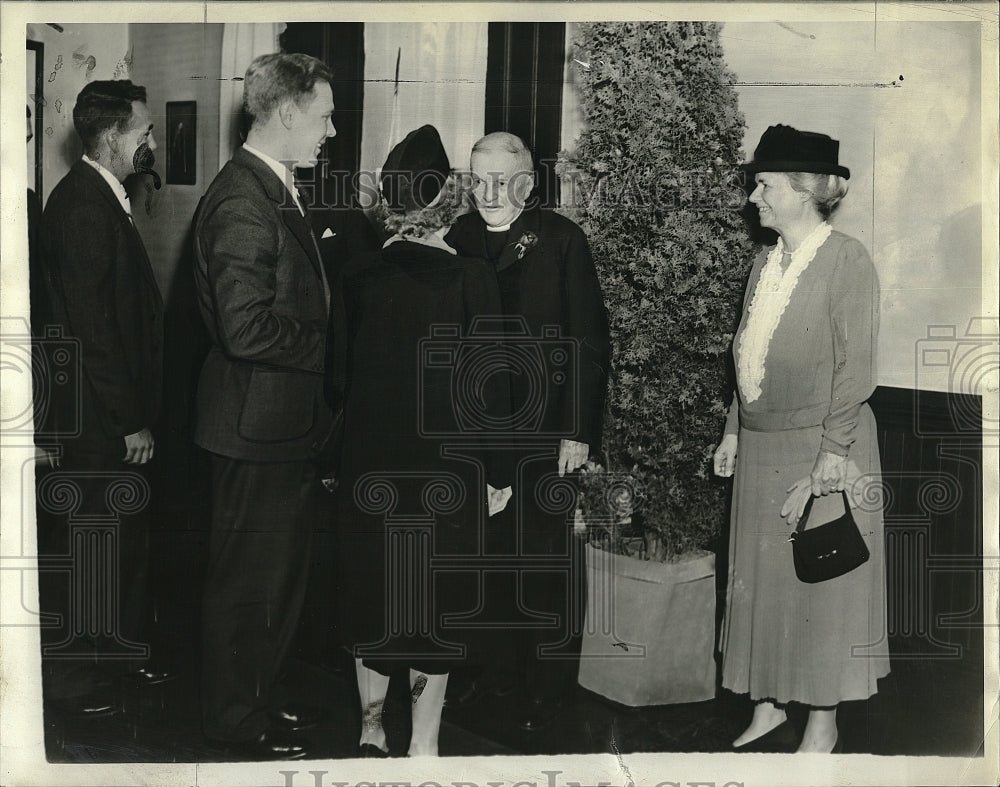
265, 301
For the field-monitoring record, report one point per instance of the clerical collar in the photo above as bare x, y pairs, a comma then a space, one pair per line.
504, 228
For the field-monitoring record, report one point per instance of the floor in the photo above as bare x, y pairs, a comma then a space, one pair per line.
930, 704
925, 706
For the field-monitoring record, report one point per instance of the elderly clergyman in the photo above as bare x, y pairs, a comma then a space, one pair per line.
549, 288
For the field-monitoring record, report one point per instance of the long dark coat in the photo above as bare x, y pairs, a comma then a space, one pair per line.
412, 496
104, 296
553, 284
550, 291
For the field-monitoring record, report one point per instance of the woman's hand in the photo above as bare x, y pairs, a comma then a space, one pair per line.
829, 474
725, 456
496, 499
798, 495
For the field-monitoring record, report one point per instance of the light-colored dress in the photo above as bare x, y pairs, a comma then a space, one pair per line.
783, 639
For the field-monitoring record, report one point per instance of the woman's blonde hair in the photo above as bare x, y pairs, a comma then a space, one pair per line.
826, 191
419, 223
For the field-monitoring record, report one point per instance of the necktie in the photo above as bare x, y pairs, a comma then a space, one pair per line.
300, 199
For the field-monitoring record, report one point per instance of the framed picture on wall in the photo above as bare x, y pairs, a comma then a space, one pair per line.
36, 104
181, 140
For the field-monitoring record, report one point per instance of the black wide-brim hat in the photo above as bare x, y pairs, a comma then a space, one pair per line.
786, 149
415, 171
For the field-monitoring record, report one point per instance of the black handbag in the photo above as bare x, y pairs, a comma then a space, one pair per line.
829, 550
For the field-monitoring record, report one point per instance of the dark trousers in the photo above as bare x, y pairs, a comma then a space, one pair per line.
93, 515
544, 591
262, 522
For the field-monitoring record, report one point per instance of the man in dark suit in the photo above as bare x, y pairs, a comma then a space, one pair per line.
552, 299
260, 408
102, 295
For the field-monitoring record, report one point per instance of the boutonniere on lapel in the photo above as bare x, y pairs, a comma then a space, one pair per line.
526, 243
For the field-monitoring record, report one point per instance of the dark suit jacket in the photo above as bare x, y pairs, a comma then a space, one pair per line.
265, 302
554, 284
37, 288
103, 294
342, 235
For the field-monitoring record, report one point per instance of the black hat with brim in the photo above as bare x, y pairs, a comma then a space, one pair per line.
785, 149
415, 171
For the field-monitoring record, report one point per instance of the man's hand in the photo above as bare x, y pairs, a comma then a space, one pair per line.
829, 474
47, 456
725, 456
572, 455
139, 447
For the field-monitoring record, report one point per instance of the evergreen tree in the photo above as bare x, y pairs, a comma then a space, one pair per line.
653, 182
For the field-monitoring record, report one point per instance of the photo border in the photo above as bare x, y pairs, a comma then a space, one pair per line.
22, 759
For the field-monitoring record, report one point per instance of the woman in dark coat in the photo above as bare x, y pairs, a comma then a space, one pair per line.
415, 478
805, 360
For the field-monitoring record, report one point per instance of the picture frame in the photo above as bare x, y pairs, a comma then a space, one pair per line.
181, 142
35, 53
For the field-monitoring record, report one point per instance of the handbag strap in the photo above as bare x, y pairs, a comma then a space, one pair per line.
809, 504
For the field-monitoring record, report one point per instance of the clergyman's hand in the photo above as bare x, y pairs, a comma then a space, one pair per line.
139, 447
572, 455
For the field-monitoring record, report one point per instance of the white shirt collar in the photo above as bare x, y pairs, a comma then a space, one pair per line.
116, 185
284, 174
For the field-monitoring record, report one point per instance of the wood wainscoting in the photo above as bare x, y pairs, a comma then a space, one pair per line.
932, 463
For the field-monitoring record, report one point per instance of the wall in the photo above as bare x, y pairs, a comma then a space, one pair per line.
914, 152
913, 149
74, 57
176, 62
442, 72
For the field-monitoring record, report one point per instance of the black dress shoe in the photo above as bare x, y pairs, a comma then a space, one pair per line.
297, 717
272, 745
370, 750
780, 740
538, 712
150, 676
94, 705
